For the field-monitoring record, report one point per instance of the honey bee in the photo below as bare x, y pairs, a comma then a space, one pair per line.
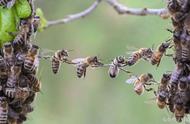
179, 105
144, 53
83, 63
115, 66
27, 28
35, 84
185, 45
3, 110
178, 47
175, 76
12, 80
157, 55
8, 54
163, 91
141, 82
7, 3
3, 69
183, 84
31, 60
57, 58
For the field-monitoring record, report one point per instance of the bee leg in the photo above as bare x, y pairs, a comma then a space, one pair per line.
168, 55
148, 89
12, 33
84, 72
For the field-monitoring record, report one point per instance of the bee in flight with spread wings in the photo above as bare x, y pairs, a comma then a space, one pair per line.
141, 82
83, 63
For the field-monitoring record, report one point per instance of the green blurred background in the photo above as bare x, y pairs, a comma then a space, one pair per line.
98, 99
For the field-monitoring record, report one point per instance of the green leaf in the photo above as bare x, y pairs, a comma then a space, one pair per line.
43, 21
7, 24
23, 8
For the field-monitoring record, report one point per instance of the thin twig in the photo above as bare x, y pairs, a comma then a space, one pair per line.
122, 9
76, 16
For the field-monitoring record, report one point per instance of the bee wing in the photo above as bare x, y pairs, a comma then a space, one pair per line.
11, 3
131, 80
78, 61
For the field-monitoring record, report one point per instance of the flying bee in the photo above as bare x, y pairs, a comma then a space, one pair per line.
157, 55
144, 53
83, 63
35, 84
31, 60
141, 82
12, 81
163, 92
3, 110
8, 54
57, 58
7, 3
116, 65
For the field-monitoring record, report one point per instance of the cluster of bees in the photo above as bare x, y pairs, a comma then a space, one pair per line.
19, 61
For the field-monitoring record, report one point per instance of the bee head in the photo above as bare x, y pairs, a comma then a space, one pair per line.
8, 47
161, 97
183, 83
121, 59
34, 49
150, 75
166, 76
64, 53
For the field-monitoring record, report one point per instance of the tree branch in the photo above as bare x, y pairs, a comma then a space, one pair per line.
121, 9
76, 16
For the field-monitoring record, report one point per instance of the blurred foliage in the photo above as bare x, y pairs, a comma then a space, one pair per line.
98, 99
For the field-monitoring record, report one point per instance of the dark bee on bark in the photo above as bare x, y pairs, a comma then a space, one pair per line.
57, 58
183, 84
8, 54
12, 81
3, 110
144, 53
158, 54
175, 76
83, 63
179, 105
114, 68
185, 45
31, 60
141, 82
173, 6
163, 91
178, 48
7, 3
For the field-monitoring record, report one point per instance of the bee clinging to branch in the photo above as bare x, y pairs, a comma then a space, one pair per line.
157, 55
3, 110
163, 92
31, 60
116, 65
12, 81
144, 53
26, 29
141, 82
8, 54
83, 63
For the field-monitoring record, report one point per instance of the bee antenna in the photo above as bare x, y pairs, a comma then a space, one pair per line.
71, 50
169, 30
